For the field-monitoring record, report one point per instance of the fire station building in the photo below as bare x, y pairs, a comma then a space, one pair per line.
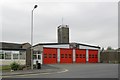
53, 53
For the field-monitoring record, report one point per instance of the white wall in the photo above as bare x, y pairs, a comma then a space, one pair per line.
9, 61
57, 46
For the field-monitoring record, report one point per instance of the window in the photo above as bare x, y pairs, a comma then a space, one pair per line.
7, 55
65, 55
38, 52
39, 56
96, 56
22, 54
34, 56
62, 55
92, 55
50, 55
69, 55
76, 55
1, 56
45, 55
83, 55
54, 55
80, 55
15, 56
35, 52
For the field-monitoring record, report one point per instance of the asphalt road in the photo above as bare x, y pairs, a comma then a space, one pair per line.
78, 71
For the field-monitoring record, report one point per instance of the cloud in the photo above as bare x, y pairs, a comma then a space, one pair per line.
89, 22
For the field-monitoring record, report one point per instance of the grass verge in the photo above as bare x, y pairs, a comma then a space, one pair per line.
5, 68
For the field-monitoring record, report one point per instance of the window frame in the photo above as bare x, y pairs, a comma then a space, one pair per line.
62, 56
10, 54
39, 57
2, 56
80, 55
77, 56
15, 54
45, 55
54, 55
50, 55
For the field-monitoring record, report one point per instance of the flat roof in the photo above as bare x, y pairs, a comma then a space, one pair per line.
66, 44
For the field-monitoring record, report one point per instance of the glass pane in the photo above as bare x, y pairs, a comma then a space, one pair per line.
62, 55
1, 56
34, 52
39, 56
45, 55
65, 55
83, 55
80, 55
7, 55
92, 55
96, 56
69, 55
54, 55
34, 56
15, 56
22, 54
76, 55
38, 52
50, 55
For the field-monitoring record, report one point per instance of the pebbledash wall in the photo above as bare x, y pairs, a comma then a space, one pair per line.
52, 53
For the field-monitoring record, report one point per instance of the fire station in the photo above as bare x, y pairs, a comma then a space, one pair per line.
53, 53
64, 51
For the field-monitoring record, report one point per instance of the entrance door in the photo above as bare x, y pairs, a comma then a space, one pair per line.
37, 57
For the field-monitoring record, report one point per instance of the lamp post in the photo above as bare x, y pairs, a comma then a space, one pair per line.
32, 36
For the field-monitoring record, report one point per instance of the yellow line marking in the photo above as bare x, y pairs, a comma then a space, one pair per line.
65, 70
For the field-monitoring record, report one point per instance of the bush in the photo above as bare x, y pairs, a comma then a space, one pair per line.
14, 66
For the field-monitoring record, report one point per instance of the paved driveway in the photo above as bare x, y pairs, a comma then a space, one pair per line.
79, 71
89, 71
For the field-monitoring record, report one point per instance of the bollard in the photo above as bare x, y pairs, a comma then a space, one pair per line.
39, 66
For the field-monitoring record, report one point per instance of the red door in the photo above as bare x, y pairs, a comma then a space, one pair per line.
49, 55
66, 56
93, 56
80, 56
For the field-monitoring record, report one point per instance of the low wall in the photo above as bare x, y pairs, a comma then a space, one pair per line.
110, 57
8, 62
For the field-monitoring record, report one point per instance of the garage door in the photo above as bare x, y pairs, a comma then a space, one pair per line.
49, 55
80, 56
66, 55
93, 56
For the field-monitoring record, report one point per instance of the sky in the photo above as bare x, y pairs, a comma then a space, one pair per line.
92, 22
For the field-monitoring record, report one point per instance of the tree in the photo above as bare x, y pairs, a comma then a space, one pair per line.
109, 48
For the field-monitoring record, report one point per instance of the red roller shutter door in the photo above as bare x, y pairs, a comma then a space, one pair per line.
66, 56
93, 56
80, 56
49, 55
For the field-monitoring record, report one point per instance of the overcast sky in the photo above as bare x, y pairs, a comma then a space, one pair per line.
94, 22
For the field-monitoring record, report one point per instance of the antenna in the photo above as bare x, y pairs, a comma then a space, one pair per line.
62, 20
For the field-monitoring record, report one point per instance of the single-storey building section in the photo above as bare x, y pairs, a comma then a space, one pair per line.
13, 52
52, 53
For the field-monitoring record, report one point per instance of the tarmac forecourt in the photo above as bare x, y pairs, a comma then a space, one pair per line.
37, 72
